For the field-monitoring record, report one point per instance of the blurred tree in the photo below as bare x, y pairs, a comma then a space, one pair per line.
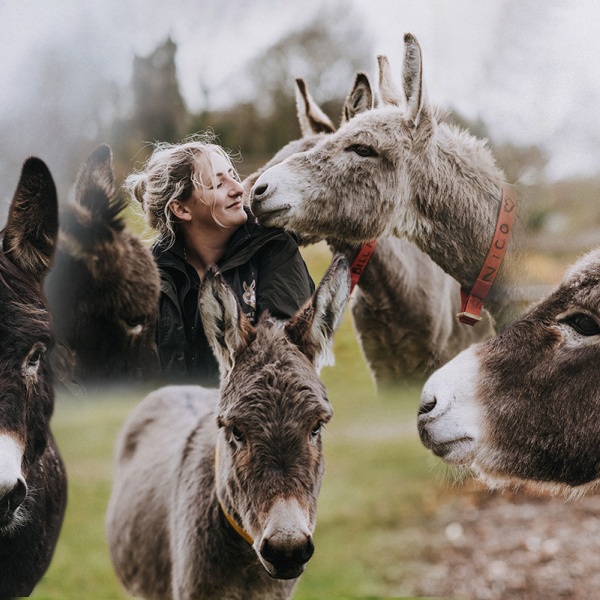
159, 111
327, 56
61, 113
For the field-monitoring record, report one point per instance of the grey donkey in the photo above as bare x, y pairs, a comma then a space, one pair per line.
404, 307
215, 492
395, 170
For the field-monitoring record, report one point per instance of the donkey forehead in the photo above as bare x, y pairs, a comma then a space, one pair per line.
584, 273
263, 409
380, 127
277, 382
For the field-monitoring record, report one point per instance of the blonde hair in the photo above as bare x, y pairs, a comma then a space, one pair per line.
173, 172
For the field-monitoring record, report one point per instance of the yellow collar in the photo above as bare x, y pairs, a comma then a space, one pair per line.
240, 530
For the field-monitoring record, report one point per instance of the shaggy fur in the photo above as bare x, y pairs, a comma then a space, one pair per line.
531, 410
168, 536
32, 505
396, 170
103, 288
404, 309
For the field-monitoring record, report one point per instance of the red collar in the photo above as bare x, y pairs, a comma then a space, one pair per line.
360, 262
472, 300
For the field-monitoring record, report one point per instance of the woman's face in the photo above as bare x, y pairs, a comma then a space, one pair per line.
219, 201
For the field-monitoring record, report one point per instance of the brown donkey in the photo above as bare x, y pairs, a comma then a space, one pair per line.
215, 492
396, 170
524, 407
404, 307
103, 288
33, 485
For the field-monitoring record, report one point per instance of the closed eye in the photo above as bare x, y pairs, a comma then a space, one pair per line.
362, 150
582, 323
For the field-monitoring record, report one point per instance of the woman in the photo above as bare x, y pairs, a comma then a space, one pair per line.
192, 197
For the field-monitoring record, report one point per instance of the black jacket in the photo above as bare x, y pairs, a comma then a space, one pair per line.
264, 268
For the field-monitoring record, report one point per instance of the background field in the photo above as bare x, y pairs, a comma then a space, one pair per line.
377, 491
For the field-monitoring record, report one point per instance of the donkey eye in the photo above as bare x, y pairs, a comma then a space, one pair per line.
34, 359
316, 430
238, 436
362, 150
32, 362
135, 321
583, 324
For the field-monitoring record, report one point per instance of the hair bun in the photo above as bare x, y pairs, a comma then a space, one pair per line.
139, 188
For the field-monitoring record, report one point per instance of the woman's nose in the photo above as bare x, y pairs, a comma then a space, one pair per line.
236, 188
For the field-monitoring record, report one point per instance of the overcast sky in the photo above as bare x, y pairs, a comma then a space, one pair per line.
530, 69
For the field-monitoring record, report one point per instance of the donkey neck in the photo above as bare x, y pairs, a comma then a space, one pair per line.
456, 192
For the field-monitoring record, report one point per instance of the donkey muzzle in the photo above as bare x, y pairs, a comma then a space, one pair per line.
286, 545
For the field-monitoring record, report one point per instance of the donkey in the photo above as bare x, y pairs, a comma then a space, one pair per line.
214, 493
33, 486
404, 308
103, 289
525, 406
396, 170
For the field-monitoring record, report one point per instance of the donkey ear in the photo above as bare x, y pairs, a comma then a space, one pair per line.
225, 325
312, 328
412, 79
32, 227
95, 187
312, 119
390, 95
360, 98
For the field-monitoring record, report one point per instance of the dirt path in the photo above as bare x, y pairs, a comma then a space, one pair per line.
489, 546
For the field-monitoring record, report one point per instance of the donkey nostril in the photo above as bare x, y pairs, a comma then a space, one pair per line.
267, 551
427, 405
14, 498
18, 494
308, 551
260, 190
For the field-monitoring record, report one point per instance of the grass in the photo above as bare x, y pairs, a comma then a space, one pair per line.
373, 503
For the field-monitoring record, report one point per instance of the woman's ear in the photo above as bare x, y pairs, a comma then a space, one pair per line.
180, 210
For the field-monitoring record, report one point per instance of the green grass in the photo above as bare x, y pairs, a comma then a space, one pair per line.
374, 499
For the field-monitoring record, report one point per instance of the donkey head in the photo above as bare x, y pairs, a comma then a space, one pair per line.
386, 163
271, 413
104, 287
525, 406
26, 395
315, 124
361, 169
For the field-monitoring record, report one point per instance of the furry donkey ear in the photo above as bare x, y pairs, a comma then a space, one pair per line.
312, 328
412, 79
225, 325
32, 227
360, 98
389, 93
95, 187
312, 119
412, 96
